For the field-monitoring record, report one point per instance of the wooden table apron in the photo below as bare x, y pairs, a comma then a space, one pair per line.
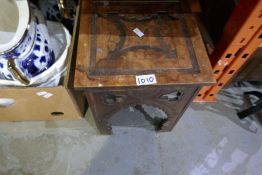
173, 100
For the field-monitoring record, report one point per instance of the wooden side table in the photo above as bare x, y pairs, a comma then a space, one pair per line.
110, 55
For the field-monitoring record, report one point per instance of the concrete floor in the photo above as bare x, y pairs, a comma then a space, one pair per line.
209, 139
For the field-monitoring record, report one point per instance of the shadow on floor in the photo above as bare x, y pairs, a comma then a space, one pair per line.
230, 101
129, 151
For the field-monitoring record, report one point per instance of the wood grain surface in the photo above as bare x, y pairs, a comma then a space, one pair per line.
96, 68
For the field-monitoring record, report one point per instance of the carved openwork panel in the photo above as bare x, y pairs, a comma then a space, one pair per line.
172, 101
176, 95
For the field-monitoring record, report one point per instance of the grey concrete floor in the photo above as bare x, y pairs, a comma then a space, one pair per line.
208, 140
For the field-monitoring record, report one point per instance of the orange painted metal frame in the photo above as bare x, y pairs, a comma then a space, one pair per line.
242, 35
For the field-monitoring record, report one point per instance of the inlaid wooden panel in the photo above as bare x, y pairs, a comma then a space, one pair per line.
165, 46
177, 55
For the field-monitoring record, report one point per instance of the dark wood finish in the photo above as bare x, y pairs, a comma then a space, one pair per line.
117, 50
110, 55
106, 102
83, 79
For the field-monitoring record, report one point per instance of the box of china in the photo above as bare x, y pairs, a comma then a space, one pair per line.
45, 103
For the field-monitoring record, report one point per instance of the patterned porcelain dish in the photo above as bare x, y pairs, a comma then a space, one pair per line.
28, 53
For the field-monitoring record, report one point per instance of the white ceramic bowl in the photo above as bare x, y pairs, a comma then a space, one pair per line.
29, 52
10, 8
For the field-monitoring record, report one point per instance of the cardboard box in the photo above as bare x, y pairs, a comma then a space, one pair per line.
56, 103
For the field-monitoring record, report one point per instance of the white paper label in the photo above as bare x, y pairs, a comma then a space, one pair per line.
145, 79
44, 94
48, 95
138, 32
41, 93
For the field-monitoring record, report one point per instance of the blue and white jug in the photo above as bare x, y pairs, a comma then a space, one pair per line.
26, 52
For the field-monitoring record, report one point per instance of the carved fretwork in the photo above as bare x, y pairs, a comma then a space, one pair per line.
173, 96
105, 103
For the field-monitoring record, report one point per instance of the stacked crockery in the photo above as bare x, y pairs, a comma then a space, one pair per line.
26, 52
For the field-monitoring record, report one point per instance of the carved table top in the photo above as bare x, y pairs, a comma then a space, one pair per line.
110, 54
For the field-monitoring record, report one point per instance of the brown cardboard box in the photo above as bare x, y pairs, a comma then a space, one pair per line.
38, 104
54, 103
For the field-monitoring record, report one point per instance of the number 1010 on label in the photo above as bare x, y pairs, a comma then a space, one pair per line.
145, 79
